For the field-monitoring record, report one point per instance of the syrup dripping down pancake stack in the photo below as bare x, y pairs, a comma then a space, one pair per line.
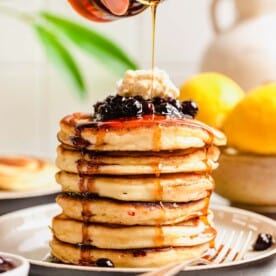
136, 181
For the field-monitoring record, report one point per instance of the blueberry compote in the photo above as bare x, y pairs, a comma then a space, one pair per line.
6, 265
114, 107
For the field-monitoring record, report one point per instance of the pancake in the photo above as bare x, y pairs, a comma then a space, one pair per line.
22, 173
194, 160
167, 188
155, 257
100, 210
189, 233
150, 133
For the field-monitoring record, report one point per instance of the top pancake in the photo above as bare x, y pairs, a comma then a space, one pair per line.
149, 133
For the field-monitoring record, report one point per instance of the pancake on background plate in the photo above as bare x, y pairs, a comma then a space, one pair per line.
25, 173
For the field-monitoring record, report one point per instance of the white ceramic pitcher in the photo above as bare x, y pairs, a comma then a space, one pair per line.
246, 51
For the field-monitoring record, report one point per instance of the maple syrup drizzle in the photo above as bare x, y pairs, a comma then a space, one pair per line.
156, 141
158, 189
92, 165
159, 237
91, 185
212, 243
209, 255
206, 206
162, 219
81, 144
78, 141
100, 138
85, 259
80, 165
83, 188
216, 253
206, 160
153, 32
156, 165
91, 169
84, 249
156, 168
153, 38
85, 234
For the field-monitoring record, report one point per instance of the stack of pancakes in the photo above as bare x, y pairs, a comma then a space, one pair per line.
135, 191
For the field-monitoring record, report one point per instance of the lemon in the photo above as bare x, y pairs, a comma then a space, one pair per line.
215, 94
251, 126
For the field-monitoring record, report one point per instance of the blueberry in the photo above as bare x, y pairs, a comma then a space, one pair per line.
109, 99
117, 100
96, 106
139, 98
263, 242
132, 107
104, 112
175, 103
158, 101
166, 108
148, 107
189, 108
104, 262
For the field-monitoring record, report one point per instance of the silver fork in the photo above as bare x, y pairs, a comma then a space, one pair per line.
231, 246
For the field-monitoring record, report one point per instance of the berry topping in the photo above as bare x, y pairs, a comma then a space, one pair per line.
132, 107
114, 107
263, 242
104, 262
6, 265
189, 107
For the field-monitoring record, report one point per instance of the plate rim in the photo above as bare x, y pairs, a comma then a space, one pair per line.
215, 207
47, 190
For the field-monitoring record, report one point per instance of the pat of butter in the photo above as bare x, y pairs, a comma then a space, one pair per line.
148, 84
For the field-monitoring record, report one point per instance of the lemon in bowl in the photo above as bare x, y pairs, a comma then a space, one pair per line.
251, 126
215, 94
247, 173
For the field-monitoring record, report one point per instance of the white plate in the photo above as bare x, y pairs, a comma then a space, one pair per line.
51, 189
27, 233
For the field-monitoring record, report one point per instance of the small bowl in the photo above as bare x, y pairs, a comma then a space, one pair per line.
247, 180
22, 266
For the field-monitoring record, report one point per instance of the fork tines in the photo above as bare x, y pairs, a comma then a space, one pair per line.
231, 246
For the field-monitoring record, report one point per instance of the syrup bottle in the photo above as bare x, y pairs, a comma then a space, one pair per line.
109, 10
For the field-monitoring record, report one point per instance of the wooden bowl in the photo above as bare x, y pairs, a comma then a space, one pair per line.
247, 179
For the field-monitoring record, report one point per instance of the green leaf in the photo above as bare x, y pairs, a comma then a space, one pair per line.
92, 42
61, 58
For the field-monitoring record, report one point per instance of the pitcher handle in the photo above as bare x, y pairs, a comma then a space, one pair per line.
214, 19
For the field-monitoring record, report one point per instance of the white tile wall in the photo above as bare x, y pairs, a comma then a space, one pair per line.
34, 98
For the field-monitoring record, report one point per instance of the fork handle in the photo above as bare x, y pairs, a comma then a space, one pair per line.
173, 268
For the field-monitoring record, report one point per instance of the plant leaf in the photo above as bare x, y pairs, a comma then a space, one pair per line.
92, 42
61, 58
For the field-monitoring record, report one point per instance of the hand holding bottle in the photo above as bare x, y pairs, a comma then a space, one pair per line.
117, 7
107, 10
